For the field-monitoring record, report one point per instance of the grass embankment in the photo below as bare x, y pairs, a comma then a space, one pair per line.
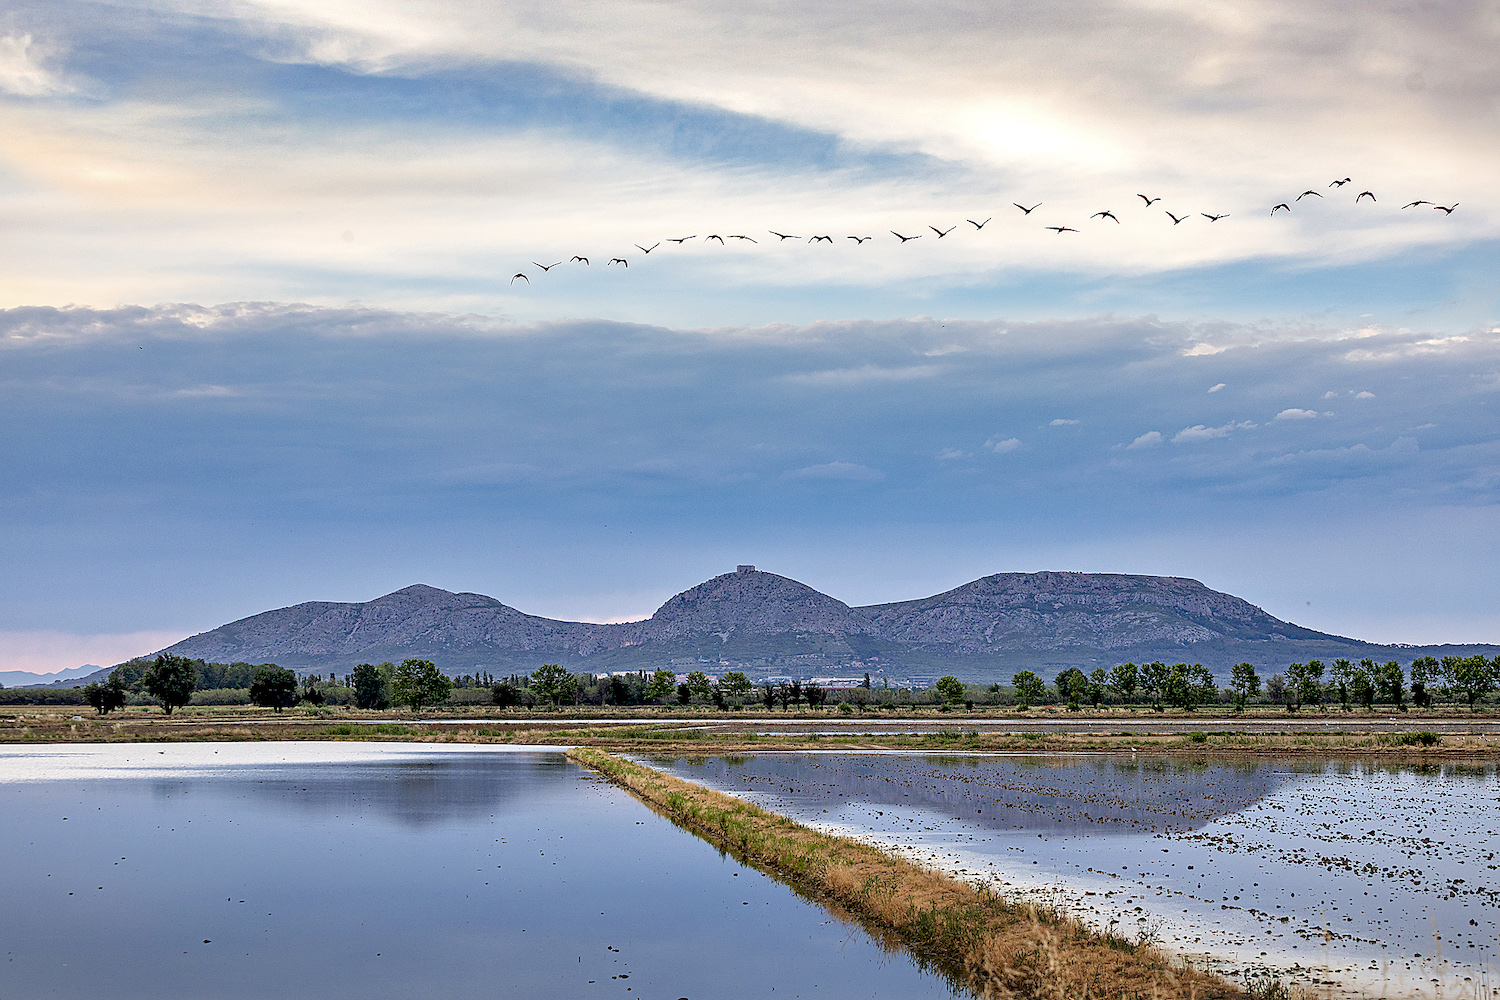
996, 948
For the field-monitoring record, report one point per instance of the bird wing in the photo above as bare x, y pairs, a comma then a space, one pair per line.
522, 277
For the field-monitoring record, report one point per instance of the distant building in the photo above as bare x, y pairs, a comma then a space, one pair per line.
744, 569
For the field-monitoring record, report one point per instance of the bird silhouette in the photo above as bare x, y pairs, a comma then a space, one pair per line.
859, 239
1106, 214
1339, 184
1149, 201
1282, 205
546, 267
1214, 218
618, 260
1060, 229
1023, 208
978, 225
820, 239
942, 232
1445, 209
647, 249
905, 239
750, 238
1176, 219
1364, 194
680, 239
783, 235
1304, 194
521, 276
1414, 204
584, 259
714, 236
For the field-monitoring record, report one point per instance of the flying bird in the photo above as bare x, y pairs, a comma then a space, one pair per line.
1214, 218
584, 259
905, 239
1177, 219
750, 238
714, 236
1149, 201
1106, 214
783, 235
647, 249
546, 267
1339, 184
679, 240
1060, 229
1282, 205
859, 239
820, 239
978, 225
618, 260
942, 232
1445, 209
1364, 194
522, 277
1023, 208
1304, 194
1414, 204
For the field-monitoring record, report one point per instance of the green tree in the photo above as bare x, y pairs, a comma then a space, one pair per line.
504, 694
171, 680
950, 689
1340, 674
659, 688
371, 685
1389, 684
1153, 681
1471, 676
419, 682
1186, 687
1423, 669
273, 687
735, 684
768, 695
1276, 689
1028, 687
1362, 685
1098, 681
1245, 682
1303, 687
815, 694
699, 684
1123, 679
106, 697
1072, 685
552, 683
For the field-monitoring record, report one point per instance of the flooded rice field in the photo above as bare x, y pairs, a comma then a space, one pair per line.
387, 870
1350, 878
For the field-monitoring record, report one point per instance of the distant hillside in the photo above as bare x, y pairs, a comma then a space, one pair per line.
68, 677
767, 624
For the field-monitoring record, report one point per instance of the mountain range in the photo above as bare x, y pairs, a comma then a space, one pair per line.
769, 625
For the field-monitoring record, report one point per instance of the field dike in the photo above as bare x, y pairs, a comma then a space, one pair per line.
991, 946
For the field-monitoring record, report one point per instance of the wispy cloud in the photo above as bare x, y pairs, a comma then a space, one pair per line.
1294, 413
21, 71
1002, 446
1150, 439
838, 470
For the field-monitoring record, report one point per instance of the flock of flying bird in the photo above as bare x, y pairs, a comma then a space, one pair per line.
1177, 220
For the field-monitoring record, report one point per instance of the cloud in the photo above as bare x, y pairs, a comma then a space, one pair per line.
1216, 388
1364, 395
21, 70
1202, 432
1293, 413
1150, 439
838, 470
1003, 446
948, 454
1063, 422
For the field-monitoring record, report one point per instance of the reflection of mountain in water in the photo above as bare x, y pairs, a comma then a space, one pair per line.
417, 793
1034, 794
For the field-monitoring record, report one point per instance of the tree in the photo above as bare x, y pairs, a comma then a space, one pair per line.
1028, 687
1153, 680
698, 683
684, 694
735, 684
1341, 673
504, 694
1389, 684
1187, 687
550, 682
661, 684
1302, 687
1072, 685
815, 695
768, 696
1423, 669
419, 682
1472, 676
1122, 678
1245, 682
171, 680
1276, 689
866, 684
371, 686
1361, 685
273, 687
106, 697
1098, 681
950, 689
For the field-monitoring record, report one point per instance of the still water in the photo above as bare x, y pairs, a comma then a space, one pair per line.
387, 870
1363, 879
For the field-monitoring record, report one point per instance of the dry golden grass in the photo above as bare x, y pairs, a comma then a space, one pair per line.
993, 947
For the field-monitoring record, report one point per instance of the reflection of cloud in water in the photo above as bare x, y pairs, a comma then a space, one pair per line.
410, 793
1036, 794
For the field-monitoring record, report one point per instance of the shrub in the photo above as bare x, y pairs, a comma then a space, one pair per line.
1421, 739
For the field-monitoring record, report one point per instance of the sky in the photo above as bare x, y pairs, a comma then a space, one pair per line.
262, 339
